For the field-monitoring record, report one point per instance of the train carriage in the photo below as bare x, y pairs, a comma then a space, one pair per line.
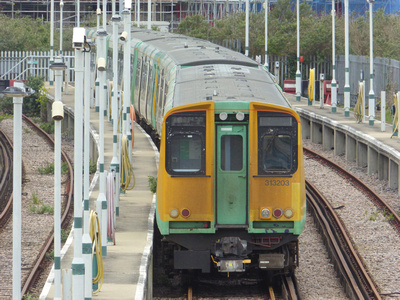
230, 189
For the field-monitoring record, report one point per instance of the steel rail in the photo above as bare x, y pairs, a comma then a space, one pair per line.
359, 284
65, 218
6, 180
378, 201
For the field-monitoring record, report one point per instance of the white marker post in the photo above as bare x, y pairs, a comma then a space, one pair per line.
58, 115
17, 94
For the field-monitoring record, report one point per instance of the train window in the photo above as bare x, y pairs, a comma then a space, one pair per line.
185, 143
276, 153
277, 144
231, 153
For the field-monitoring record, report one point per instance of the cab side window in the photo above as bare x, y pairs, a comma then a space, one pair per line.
277, 144
185, 143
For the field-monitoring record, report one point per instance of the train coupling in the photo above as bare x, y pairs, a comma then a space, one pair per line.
232, 265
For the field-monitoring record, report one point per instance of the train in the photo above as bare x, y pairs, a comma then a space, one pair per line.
230, 187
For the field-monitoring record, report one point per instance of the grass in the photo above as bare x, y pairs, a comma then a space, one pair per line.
5, 116
153, 184
38, 207
49, 169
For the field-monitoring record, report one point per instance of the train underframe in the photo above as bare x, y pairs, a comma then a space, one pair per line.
230, 252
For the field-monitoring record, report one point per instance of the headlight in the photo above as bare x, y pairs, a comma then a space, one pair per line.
288, 213
174, 213
265, 213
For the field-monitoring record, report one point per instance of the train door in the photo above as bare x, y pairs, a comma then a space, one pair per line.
231, 175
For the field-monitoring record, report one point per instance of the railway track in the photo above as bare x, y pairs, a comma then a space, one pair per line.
6, 179
29, 280
353, 274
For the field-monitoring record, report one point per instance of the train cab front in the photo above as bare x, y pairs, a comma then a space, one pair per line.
230, 190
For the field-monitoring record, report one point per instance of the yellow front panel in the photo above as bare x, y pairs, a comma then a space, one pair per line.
184, 192
271, 191
193, 194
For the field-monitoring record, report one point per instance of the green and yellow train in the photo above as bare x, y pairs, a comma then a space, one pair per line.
231, 189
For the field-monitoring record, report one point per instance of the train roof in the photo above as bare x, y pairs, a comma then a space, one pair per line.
206, 71
222, 82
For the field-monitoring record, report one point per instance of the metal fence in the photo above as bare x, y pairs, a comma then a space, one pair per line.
21, 64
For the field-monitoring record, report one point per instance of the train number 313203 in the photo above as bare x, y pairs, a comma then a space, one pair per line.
276, 182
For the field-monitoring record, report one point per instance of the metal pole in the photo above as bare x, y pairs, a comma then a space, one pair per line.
138, 14
86, 240
101, 199
78, 13
266, 34
127, 75
115, 165
383, 111
51, 79
61, 27
333, 83
58, 115
17, 188
78, 267
149, 14
371, 95
104, 14
347, 64
98, 13
298, 73
246, 51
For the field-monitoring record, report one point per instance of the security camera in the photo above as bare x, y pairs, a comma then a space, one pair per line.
78, 37
123, 36
57, 110
277, 64
98, 11
101, 64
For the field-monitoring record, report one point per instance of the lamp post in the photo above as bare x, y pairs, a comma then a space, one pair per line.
371, 95
86, 240
333, 83
346, 61
115, 164
101, 202
298, 73
51, 79
17, 94
127, 76
266, 63
78, 265
61, 27
246, 51
58, 115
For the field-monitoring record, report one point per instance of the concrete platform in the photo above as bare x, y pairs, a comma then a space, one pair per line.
128, 262
368, 146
